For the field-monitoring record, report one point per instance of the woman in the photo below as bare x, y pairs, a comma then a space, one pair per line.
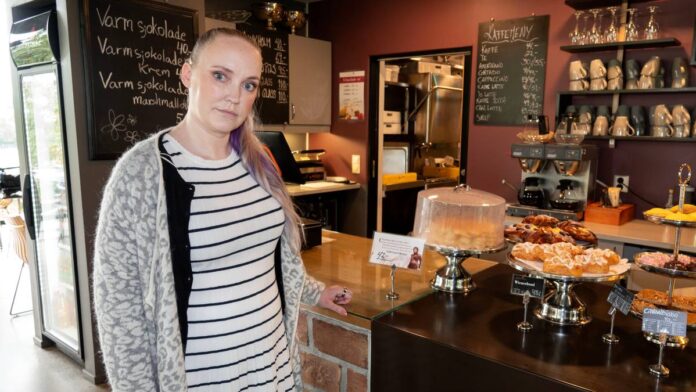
197, 278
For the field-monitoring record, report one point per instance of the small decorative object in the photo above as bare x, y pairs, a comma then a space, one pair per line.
270, 12
680, 73
294, 19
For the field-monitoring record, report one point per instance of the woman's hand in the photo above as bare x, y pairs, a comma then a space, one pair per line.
334, 296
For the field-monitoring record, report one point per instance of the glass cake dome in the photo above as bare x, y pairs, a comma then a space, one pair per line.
460, 218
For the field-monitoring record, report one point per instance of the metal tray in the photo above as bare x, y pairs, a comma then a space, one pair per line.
583, 244
521, 265
663, 271
660, 220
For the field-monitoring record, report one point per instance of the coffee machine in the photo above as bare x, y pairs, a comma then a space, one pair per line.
553, 172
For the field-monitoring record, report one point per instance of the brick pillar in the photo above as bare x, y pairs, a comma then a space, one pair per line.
335, 353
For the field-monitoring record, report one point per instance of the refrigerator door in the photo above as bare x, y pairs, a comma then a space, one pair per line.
48, 206
445, 109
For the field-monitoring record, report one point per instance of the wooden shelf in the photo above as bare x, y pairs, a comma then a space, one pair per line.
637, 91
644, 139
652, 43
587, 4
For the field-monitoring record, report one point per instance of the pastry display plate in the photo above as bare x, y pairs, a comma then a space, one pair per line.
584, 244
661, 220
535, 268
451, 251
663, 271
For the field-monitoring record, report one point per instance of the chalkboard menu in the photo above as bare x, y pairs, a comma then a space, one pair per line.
511, 70
272, 101
134, 52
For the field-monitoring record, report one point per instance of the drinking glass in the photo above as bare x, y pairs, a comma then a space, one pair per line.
631, 28
575, 34
612, 33
652, 29
594, 36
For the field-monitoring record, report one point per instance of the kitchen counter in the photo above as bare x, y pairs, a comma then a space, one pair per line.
319, 187
638, 232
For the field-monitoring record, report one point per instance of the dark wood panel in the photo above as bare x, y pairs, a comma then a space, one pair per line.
470, 342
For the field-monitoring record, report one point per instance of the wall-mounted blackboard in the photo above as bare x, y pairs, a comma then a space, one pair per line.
272, 101
511, 70
134, 50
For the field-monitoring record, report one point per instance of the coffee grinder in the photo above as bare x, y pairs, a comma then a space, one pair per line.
574, 164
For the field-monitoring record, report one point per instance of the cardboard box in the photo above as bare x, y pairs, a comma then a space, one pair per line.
608, 215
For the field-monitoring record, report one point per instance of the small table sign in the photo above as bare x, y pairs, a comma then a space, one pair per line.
399, 250
620, 298
521, 285
659, 321
527, 287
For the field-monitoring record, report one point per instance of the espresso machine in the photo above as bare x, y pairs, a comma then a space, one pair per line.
557, 179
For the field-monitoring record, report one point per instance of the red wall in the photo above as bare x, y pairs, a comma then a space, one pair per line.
359, 29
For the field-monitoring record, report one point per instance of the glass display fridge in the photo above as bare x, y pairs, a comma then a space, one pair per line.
46, 195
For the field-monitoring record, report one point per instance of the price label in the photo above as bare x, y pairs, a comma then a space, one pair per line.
522, 284
620, 298
659, 321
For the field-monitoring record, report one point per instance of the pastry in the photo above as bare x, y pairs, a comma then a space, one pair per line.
684, 303
653, 296
661, 212
687, 208
559, 266
638, 305
593, 263
680, 216
540, 220
578, 231
525, 251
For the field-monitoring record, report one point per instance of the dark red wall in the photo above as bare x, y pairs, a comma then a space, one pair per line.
359, 29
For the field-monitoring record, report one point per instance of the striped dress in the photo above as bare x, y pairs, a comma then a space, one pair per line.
236, 337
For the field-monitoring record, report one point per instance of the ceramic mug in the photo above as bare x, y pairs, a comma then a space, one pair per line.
680, 73
598, 84
614, 75
577, 70
601, 126
632, 73
621, 127
682, 121
579, 85
638, 120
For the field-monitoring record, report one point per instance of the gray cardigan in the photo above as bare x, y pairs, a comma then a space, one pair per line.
134, 296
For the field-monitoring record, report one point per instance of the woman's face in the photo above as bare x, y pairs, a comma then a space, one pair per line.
223, 84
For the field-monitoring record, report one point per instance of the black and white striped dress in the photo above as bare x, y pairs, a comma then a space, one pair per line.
236, 337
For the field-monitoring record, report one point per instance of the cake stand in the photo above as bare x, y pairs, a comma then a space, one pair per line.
561, 305
453, 277
672, 274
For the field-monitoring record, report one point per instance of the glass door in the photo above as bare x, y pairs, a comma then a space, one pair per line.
50, 206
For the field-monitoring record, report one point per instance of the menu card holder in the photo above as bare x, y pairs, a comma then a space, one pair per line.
392, 295
527, 287
667, 328
619, 298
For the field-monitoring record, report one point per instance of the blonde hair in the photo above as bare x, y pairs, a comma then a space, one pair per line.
251, 151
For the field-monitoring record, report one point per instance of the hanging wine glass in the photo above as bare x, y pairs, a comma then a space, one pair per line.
652, 29
631, 28
595, 36
612, 33
584, 34
575, 34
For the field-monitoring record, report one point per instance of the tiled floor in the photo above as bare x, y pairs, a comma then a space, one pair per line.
24, 367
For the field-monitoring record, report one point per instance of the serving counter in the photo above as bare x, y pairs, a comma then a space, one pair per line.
447, 342
422, 330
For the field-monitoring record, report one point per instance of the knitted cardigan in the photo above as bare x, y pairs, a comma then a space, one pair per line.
133, 282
